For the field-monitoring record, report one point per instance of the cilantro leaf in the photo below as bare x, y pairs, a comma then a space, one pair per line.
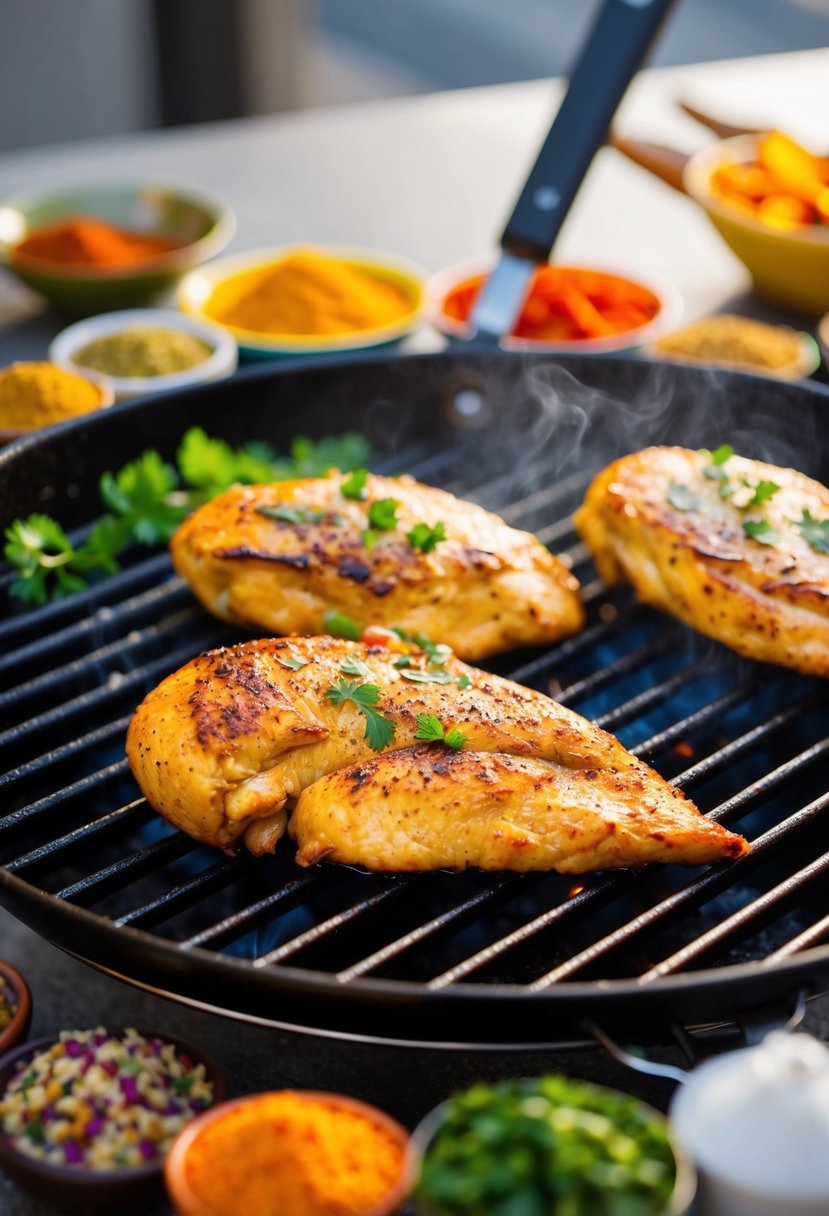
382, 514
814, 531
139, 495
355, 485
379, 730
760, 530
342, 626
49, 564
719, 458
213, 466
683, 497
290, 660
354, 666
424, 538
417, 676
292, 515
431, 730
463, 681
436, 652
369, 538
405, 660
763, 491
345, 452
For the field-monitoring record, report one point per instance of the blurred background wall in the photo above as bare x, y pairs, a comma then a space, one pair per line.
80, 68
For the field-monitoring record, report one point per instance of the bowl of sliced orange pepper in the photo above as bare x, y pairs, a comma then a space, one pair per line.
768, 197
568, 308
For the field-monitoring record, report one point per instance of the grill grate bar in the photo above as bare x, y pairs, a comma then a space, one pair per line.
326, 927
116, 650
183, 894
553, 492
570, 648
585, 900
82, 744
97, 698
85, 785
73, 635
730, 751
553, 533
650, 697
745, 917
619, 667
815, 935
234, 926
112, 877
716, 879
691, 722
125, 815
371, 962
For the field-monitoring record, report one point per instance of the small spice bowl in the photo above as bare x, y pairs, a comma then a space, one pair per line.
220, 362
14, 993
199, 291
105, 397
493, 1147
181, 1171
199, 223
73, 1187
456, 286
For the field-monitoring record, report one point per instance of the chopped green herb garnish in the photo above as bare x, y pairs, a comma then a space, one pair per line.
28, 1080
355, 485
292, 661
436, 652
379, 730
763, 491
292, 515
382, 514
183, 1085
424, 538
149, 498
369, 538
342, 626
431, 730
405, 660
354, 666
418, 676
814, 531
464, 681
760, 530
718, 458
683, 497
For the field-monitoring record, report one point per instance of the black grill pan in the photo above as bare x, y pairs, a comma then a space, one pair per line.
427, 958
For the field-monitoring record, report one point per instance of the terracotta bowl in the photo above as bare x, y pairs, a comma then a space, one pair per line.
73, 1188
15, 987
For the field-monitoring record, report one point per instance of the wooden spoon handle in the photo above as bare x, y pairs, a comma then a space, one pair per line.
725, 130
664, 163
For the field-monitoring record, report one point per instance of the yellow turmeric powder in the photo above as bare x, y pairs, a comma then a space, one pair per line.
38, 394
307, 293
290, 1153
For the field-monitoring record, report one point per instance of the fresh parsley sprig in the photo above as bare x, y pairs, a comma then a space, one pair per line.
379, 730
814, 531
147, 500
431, 730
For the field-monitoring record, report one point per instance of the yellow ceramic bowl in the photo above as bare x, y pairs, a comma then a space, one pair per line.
791, 269
197, 288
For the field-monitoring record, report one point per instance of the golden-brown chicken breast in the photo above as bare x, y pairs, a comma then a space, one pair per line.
226, 743
427, 808
279, 557
736, 548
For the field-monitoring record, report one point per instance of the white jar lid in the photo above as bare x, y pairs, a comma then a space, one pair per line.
759, 1118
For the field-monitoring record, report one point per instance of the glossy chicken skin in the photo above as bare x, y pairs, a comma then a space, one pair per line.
766, 601
485, 588
428, 808
224, 745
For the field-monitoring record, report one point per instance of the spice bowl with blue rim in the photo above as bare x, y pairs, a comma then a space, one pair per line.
199, 224
15, 1007
87, 1117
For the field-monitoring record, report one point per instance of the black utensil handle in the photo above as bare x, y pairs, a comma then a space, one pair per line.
617, 45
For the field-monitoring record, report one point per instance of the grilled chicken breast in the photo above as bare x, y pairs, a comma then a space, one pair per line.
224, 745
427, 808
730, 546
279, 557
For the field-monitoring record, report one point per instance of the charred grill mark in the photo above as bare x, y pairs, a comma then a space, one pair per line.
354, 568
300, 561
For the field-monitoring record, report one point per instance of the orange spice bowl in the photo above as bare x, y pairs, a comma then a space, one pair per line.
193, 1192
451, 292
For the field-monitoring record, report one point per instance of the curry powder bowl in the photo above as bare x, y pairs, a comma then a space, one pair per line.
74, 1188
200, 224
789, 268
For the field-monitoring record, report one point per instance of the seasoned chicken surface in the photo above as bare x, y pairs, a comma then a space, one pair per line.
427, 808
279, 557
736, 548
224, 745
